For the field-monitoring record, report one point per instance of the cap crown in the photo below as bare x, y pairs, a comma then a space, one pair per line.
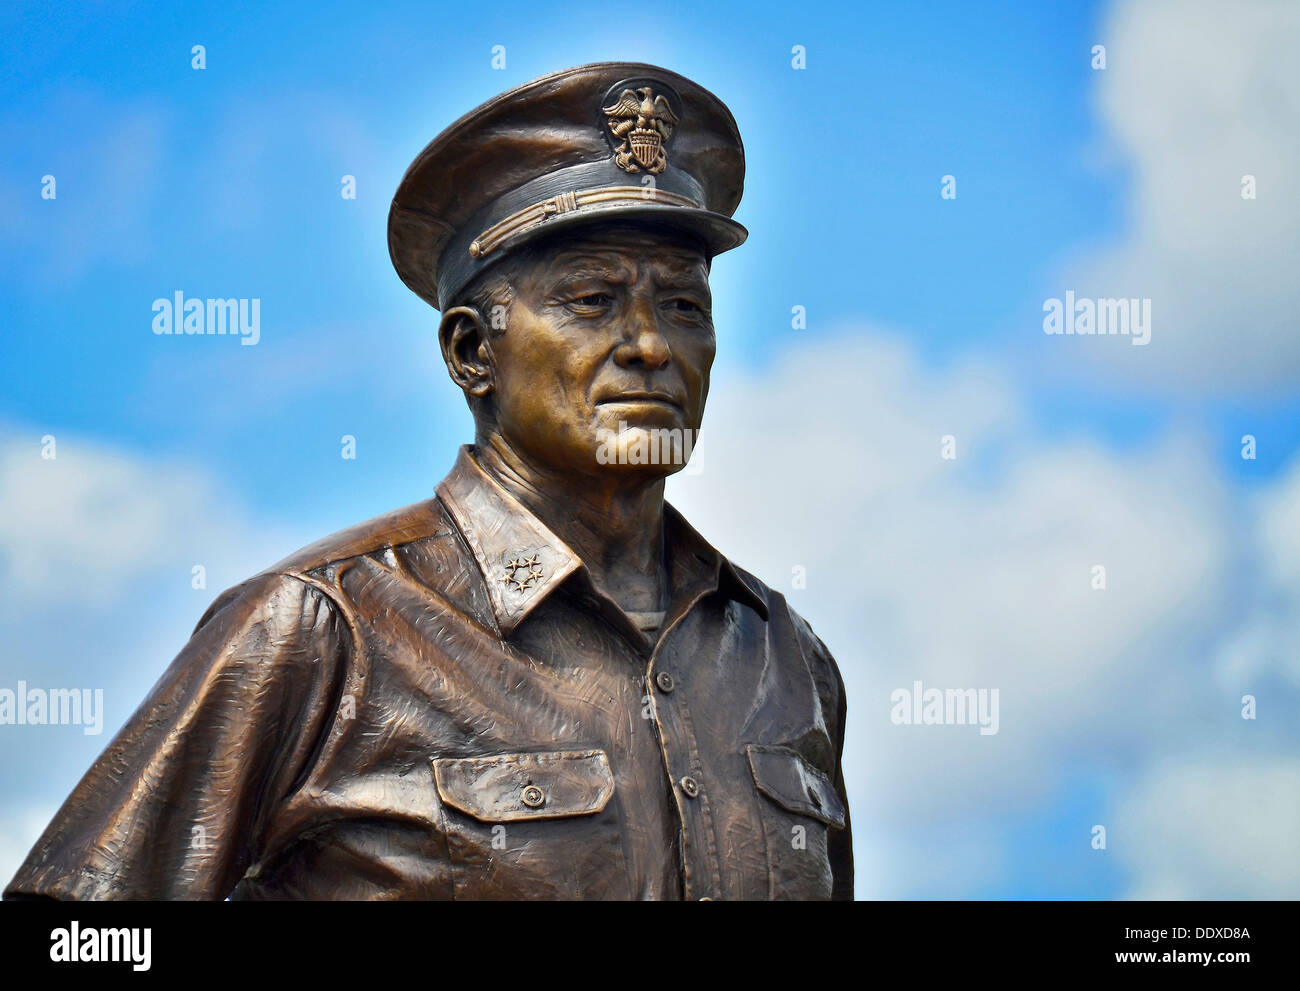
604, 141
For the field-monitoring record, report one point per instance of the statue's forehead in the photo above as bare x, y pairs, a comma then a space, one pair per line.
621, 252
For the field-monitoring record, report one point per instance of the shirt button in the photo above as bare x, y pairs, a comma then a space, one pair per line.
690, 786
534, 797
665, 682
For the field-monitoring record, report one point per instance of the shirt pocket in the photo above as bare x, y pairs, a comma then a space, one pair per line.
531, 825
518, 787
799, 808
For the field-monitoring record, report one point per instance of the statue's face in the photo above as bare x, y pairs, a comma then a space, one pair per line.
608, 344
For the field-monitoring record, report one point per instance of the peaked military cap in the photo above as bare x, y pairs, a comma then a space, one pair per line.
595, 142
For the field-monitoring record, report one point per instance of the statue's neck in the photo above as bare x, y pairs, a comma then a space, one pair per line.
614, 524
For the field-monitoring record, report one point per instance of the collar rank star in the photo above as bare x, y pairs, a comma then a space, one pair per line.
643, 122
527, 567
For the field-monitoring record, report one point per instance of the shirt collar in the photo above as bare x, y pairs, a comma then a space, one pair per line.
523, 561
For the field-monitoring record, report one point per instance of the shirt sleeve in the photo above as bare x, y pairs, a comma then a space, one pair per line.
830, 688
178, 804
840, 843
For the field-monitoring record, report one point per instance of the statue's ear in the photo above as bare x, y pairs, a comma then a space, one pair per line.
463, 337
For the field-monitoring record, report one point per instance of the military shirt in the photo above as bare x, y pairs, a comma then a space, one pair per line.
438, 704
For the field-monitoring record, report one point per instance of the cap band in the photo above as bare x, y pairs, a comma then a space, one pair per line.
538, 213
574, 190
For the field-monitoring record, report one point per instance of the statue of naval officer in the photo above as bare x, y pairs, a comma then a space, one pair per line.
541, 682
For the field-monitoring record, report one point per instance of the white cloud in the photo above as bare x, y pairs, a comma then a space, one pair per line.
1266, 645
977, 573
1217, 827
77, 529
1197, 94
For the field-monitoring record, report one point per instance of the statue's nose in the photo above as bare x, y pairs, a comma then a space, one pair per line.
645, 347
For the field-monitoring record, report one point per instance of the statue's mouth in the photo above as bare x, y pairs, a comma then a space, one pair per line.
652, 398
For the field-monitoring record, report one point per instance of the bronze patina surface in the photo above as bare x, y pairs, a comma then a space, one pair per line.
541, 682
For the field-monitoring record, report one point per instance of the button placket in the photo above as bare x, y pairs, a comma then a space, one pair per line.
701, 870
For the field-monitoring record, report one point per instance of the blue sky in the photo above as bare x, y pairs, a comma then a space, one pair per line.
226, 182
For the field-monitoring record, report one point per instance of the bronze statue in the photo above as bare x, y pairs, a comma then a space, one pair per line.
542, 682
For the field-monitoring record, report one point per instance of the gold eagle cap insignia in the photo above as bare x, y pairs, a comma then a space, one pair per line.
642, 122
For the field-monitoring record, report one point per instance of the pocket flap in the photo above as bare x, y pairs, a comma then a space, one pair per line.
512, 787
793, 783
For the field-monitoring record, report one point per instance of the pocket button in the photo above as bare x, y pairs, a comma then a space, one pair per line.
534, 797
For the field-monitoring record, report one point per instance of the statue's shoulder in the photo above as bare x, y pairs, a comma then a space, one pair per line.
419, 521
778, 608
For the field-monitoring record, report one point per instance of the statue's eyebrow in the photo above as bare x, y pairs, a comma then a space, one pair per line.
684, 278
565, 270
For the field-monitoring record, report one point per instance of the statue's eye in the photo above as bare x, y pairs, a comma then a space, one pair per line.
687, 306
594, 299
